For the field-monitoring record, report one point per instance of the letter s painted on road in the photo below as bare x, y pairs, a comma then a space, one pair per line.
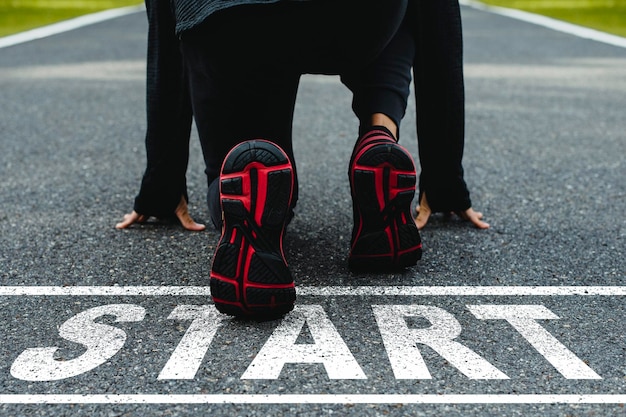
101, 340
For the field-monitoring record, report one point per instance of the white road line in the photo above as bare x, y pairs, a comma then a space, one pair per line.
550, 23
461, 290
363, 291
314, 399
67, 25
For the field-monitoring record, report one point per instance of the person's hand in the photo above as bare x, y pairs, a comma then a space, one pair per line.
181, 211
129, 219
424, 212
476, 217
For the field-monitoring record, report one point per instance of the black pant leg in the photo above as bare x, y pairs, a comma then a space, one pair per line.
168, 117
440, 103
384, 85
244, 65
240, 91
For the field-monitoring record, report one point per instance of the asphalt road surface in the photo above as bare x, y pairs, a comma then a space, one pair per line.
524, 318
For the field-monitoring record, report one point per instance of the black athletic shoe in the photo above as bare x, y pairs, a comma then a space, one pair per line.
249, 276
382, 180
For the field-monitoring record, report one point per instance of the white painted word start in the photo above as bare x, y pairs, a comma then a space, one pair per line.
103, 341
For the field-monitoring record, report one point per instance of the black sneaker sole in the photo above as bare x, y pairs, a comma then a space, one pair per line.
250, 276
385, 236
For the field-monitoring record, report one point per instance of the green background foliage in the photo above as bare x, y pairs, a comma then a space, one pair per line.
605, 15
20, 15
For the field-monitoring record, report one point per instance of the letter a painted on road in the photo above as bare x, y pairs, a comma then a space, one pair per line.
328, 347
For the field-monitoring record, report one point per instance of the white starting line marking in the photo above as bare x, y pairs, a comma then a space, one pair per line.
104, 341
330, 291
314, 399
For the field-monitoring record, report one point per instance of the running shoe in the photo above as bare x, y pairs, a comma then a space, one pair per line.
382, 182
249, 275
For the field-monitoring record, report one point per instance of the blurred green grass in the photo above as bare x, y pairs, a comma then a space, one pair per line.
604, 15
20, 15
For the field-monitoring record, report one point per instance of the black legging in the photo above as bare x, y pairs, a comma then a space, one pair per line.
244, 66
435, 26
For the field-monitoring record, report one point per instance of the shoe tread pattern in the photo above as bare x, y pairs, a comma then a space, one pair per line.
384, 237
250, 276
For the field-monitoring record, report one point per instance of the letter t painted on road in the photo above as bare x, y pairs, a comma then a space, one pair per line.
523, 319
188, 355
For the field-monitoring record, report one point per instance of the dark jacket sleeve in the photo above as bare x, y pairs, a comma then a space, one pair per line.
169, 117
440, 103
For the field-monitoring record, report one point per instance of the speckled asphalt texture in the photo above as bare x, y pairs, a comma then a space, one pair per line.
545, 161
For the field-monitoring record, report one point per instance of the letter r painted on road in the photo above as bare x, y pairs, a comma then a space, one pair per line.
101, 340
401, 342
523, 319
281, 347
